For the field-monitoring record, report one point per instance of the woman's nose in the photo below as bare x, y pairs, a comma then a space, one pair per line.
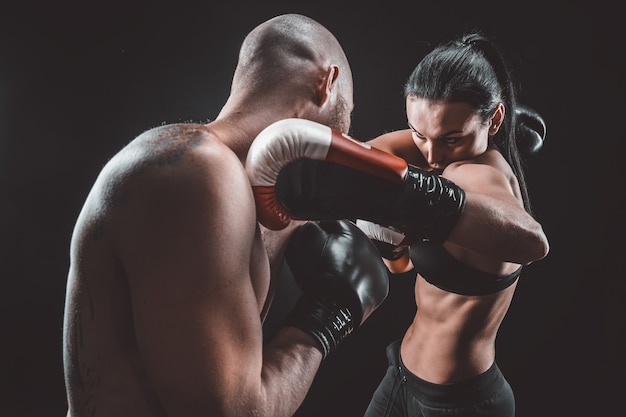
433, 156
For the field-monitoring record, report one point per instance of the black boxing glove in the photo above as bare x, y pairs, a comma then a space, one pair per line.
300, 169
530, 130
342, 277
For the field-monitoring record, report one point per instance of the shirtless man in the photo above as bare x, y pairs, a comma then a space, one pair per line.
171, 276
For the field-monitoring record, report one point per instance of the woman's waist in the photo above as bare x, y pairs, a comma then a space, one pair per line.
441, 354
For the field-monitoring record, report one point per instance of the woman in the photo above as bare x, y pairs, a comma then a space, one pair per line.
461, 110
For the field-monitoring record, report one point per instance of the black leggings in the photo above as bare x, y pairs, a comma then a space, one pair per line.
402, 394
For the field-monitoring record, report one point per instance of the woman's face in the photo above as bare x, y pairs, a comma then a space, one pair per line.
449, 132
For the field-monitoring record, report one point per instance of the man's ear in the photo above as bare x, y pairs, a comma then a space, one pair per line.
327, 83
496, 119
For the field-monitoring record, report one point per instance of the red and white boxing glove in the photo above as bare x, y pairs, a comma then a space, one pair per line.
300, 169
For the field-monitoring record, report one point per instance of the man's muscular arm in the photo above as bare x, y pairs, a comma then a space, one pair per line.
190, 247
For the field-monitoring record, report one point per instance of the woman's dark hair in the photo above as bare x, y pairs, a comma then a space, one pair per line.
472, 70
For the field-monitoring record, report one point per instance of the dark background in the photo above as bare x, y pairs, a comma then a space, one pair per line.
78, 80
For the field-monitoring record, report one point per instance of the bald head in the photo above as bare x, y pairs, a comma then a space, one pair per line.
288, 51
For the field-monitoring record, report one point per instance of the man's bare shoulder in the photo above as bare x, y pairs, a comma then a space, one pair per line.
171, 149
166, 161
167, 144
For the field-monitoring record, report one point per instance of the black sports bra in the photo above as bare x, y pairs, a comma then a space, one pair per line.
441, 269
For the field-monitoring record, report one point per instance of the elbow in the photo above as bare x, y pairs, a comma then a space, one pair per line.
544, 248
537, 247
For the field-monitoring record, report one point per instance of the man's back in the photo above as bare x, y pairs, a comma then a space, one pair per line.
132, 251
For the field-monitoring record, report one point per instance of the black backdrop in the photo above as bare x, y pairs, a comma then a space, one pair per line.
79, 80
